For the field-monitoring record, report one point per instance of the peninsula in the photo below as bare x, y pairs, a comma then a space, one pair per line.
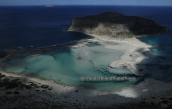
42, 77
115, 25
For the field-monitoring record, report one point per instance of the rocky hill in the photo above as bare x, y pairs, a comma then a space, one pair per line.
115, 24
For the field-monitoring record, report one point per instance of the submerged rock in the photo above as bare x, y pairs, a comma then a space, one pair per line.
115, 24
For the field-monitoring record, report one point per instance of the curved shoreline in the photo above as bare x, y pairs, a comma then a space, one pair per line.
126, 59
132, 94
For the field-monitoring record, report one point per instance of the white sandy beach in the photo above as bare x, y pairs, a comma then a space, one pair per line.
134, 53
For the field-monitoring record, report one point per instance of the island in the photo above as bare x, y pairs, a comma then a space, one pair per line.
116, 25
52, 5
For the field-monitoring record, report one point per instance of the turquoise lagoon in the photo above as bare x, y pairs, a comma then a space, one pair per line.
67, 65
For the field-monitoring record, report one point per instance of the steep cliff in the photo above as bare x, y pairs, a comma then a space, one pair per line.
115, 25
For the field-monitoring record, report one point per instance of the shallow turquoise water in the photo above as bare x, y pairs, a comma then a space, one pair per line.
68, 65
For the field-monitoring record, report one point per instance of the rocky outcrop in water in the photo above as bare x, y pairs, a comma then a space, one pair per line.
52, 5
115, 24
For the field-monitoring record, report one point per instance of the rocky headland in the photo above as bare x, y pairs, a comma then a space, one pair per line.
115, 25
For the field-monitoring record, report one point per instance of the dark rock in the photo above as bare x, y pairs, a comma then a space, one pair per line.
159, 103
1, 76
11, 85
9, 92
2, 84
170, 99
170, 106
50, 88
27, 87
3, 54
16, 92
115, 24
165, 101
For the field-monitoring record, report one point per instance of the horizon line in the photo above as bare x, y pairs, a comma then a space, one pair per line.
87, 5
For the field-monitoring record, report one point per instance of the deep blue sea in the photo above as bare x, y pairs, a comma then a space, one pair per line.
22, 26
